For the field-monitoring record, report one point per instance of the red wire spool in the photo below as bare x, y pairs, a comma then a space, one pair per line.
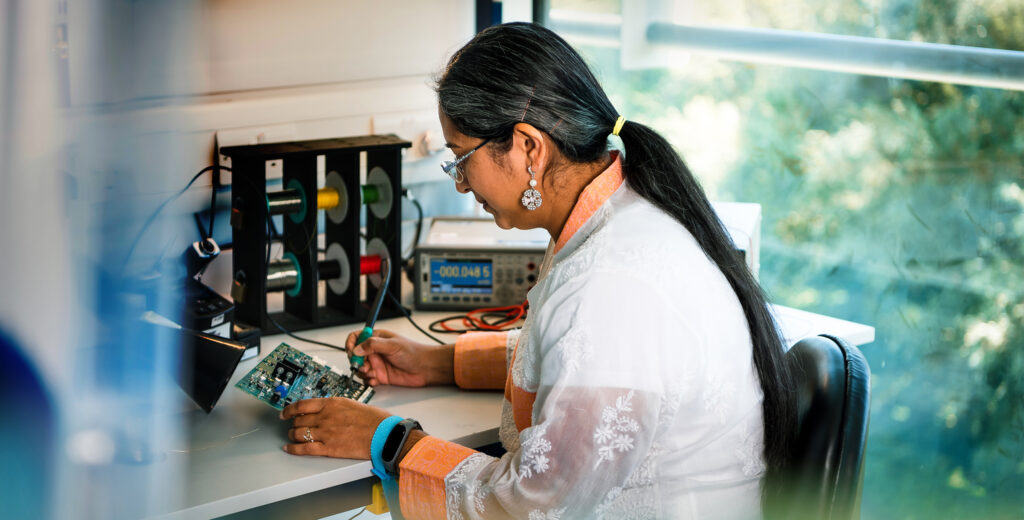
369, 264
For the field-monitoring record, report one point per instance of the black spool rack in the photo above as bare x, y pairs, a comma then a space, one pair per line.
297, 202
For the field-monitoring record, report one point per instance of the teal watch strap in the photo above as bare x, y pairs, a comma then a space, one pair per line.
389, 482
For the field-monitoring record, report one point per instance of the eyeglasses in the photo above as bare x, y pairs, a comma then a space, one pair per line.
454, 167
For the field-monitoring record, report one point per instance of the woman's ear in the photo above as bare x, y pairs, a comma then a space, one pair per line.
534, 145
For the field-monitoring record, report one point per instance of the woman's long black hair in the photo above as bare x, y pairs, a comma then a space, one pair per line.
525, 72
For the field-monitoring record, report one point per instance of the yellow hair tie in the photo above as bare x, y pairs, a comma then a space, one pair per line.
618, 125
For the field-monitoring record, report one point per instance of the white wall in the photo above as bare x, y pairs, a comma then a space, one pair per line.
173, 76
245, 45
324, 67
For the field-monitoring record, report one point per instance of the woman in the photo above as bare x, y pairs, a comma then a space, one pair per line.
647, 381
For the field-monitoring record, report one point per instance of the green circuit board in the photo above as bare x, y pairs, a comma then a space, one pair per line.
288, 375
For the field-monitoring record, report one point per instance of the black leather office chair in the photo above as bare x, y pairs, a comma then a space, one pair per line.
833, 387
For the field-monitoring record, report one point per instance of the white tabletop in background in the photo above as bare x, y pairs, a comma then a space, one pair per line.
797, 324
233, 455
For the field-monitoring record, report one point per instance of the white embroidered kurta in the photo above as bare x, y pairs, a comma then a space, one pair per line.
632, 390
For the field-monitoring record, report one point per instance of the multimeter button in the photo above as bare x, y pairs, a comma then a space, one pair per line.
435, 298
487, 299
425, 279
446, 298
476, 298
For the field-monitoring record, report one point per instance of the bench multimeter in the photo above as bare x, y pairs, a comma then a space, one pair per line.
471, 263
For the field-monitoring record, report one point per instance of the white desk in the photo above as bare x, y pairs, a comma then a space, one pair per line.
234, 459
797, 324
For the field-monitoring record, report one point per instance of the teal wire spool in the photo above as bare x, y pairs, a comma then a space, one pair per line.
290, 201
285, 275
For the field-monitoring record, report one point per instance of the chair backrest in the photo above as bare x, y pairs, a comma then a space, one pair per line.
825, 477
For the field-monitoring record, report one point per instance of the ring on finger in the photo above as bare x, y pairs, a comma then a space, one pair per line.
308, 436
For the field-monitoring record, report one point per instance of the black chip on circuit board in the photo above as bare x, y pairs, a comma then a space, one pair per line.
287, 371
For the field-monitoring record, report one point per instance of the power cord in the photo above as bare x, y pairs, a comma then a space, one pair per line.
152, 217
213, 201
419, 222
300, 338
409, 263
206, 229
199, 226
414, 324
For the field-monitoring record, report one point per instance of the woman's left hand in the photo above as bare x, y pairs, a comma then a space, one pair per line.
338, 427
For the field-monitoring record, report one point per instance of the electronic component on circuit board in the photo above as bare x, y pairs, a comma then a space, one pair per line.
288, 375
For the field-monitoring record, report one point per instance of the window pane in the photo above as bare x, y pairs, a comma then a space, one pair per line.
895, 203
995, 24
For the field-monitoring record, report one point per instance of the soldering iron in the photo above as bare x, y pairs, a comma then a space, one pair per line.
378, 301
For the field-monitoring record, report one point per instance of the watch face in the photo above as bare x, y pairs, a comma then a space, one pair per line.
393, 443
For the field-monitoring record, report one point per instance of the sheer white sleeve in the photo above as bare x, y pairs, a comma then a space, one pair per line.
599, 365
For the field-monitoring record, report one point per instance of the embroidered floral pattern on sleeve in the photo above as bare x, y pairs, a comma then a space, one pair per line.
636, 498
573, 347
643, 475
554, 514
627, 504
535, 452
750, 452
715, 396
524, 373
458, 484
613, 434
668, 406
479, 495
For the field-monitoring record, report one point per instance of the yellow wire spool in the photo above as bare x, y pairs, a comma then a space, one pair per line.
327, 198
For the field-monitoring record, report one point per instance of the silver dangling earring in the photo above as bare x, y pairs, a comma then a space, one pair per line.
531, 197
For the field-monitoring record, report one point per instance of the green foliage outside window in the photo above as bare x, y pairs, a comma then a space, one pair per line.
890, 202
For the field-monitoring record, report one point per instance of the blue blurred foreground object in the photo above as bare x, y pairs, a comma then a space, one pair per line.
26, 437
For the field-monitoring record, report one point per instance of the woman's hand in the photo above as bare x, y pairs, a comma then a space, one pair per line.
394, 360
332, 427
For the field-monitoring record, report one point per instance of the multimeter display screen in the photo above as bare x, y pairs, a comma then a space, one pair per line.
461, 276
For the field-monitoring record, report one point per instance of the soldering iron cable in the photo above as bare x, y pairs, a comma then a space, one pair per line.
378, 302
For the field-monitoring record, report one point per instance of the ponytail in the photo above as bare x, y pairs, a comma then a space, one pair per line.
653, 169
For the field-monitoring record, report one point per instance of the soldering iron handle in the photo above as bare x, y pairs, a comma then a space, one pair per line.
357, 361
378, 301
364, 335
